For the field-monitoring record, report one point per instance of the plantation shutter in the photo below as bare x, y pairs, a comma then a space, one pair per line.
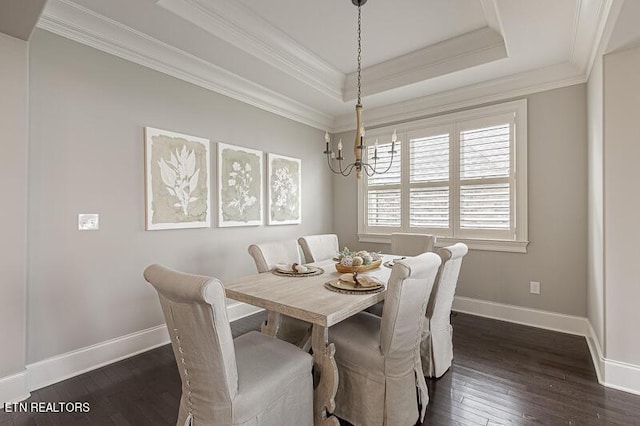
384, 190
429, 176
486, 175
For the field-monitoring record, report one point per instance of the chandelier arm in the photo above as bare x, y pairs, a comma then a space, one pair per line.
390, 163
348, 169
338, 172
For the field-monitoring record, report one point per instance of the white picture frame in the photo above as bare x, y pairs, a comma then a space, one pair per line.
177, 175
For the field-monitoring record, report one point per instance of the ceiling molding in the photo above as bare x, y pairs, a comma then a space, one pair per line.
522, 84
238, 25
588, 29
492, 16
77, 23
465, 51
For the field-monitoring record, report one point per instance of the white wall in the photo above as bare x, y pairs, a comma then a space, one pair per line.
622, 205
14, 56
88, 111
557, 190
595, 263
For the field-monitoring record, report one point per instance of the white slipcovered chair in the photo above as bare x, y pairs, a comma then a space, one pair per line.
380, 376
436, 347
317, 248
252, 380
405, 244
266, 256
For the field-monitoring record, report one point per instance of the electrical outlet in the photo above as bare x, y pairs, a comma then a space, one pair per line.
534, 287
88, 222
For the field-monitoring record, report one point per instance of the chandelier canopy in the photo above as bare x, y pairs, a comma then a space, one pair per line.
359, 146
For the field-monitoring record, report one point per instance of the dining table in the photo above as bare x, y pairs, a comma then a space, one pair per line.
308, 299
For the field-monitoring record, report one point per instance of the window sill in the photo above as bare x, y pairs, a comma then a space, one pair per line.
473, 243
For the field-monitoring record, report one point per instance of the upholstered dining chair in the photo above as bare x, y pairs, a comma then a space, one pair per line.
380, 376
406, 244
436, 347
266, 256
317, 248
251, 380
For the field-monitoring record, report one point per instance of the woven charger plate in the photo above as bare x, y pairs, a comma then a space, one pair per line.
346, 269
344, 287
314, 270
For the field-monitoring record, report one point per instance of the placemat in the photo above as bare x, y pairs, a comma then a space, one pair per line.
339, 290
316, 271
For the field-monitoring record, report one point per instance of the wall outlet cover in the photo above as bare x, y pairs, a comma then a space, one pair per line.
88, 222
534, 287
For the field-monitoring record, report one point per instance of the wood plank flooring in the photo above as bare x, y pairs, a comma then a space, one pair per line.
503, 374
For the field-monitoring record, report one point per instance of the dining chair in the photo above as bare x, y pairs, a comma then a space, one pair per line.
266, 256
317, 248
436, 347
251, 380
405, 244
408, 245
380, 377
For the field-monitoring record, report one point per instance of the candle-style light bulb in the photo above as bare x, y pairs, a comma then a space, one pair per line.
362, 130
394, 137
340, 145
376, 144
327, 138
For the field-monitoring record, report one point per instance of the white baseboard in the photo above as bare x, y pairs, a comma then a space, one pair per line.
61, 367
55, 369
611, 373
237, 310
526, 316
596, 353
622, 376
14, 388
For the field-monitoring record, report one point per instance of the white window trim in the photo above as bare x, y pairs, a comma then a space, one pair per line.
520, 243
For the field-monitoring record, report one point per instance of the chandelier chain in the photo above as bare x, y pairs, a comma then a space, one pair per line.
359, 50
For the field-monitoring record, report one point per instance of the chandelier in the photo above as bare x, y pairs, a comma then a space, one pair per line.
359, 146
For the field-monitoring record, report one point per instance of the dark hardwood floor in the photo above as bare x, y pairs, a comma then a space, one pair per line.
503, 374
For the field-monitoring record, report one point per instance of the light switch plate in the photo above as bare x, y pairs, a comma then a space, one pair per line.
534, 287
88, 222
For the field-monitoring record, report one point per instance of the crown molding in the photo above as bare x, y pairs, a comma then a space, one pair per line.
588, 30
238, 25
551, 77
77, 23
457, 53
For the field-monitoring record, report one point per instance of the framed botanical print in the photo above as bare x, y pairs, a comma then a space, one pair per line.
284, 190
177, 173
240, 187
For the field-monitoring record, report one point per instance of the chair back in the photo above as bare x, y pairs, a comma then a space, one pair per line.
444, 290
196, 315
405, 304
266, 255
411, 244
317, 248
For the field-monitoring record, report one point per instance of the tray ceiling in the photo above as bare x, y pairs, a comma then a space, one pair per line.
297, 59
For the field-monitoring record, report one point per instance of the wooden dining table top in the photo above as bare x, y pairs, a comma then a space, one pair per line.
306, 298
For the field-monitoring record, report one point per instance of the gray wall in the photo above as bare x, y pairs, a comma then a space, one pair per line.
14, 56
88, 110
557, 253
595, 263
622, 204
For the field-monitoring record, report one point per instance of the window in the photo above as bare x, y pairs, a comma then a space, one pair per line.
461, 177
